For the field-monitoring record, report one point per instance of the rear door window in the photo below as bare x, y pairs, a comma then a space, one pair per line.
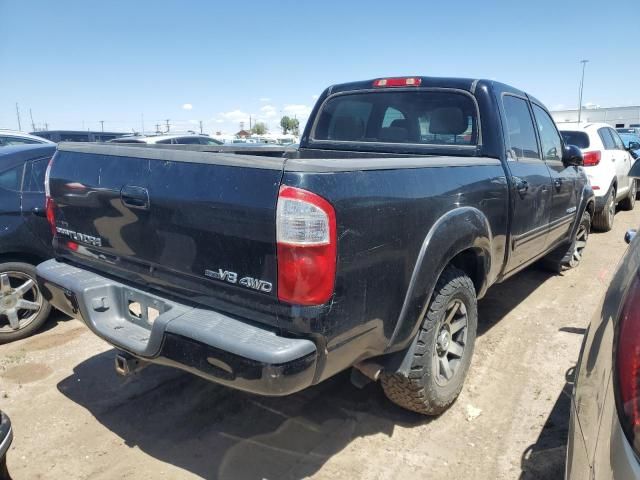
521, 134
416, 117
607, 139
619, 145
34, 175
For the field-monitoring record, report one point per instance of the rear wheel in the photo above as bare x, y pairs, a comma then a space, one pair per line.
569, 256
603, 220
442, 352
23, 308
630, 200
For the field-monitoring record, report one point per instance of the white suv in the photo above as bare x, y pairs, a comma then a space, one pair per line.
607, 163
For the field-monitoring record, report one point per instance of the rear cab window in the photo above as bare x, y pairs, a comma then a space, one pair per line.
420, 118
521, 136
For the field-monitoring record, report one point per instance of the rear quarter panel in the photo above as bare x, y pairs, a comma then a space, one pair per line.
383, 217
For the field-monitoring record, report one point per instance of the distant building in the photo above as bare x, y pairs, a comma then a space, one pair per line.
77, 135
243, 134
617, 117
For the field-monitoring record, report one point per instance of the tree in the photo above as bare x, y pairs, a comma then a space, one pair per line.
295, 126
285, 124
289, 124
260, 128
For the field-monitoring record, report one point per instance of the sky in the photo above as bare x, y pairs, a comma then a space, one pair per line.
134, 63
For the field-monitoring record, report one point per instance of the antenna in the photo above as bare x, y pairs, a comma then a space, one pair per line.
18, 115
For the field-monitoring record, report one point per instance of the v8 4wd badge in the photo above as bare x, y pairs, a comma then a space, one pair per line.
232, 277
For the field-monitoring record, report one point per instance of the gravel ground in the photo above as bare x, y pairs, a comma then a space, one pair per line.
74, 418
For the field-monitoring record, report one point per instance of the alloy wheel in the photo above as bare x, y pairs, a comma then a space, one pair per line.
450, 341
580, 243
20, 301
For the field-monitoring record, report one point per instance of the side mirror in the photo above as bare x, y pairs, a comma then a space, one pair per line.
572, 156
629, 236
633, 146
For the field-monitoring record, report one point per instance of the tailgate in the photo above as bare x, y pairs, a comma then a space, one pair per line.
191, 221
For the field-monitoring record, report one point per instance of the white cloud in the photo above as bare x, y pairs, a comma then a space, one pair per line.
235, 116
297, 110
269, 111
265, 99
187, 106
315, 97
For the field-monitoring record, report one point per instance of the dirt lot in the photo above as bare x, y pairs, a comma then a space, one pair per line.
75, 418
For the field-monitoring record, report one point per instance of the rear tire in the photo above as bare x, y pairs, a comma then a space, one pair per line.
442, 352
569, 256
23, 308
603, 220
630, 200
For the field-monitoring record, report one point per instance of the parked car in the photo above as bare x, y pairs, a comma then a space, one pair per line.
634, 129
14, 137
607, 162
6, 437
368, 248
188, 139
78, 135
25, 239
604, 431
632, 143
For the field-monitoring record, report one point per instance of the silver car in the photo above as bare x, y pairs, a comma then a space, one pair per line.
604, 431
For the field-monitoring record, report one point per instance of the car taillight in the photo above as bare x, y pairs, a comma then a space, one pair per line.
306, 247
50, 205
627, 369
398, 82
591, 158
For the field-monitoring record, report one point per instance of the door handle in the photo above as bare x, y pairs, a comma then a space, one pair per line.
557, 183
135, 197
613, 159
40, 212
522, 186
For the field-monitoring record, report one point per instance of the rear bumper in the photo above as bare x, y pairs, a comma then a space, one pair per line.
6, 436
223, 349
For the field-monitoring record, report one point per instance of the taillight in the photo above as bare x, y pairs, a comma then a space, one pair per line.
398, 82
627, 372
50, 205
591, 158
306, 238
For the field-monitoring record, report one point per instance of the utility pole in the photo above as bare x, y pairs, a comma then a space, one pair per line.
33, 125
102, 125
584, 64
168, 126
249, 122
18, 115
142, 122
46, 126
200, 127
158, 129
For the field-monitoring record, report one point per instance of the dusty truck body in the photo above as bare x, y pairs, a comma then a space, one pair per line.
368, 247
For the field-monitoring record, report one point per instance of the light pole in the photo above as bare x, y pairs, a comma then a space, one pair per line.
584, 64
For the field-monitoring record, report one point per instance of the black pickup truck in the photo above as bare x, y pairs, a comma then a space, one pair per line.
367, 248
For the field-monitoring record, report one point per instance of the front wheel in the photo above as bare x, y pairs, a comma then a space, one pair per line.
442, 352
23, 308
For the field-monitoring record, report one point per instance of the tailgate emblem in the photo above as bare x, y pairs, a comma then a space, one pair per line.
80, 237
232, 277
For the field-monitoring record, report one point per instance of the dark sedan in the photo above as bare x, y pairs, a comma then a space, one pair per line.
25, 239
604, 432
6, 436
